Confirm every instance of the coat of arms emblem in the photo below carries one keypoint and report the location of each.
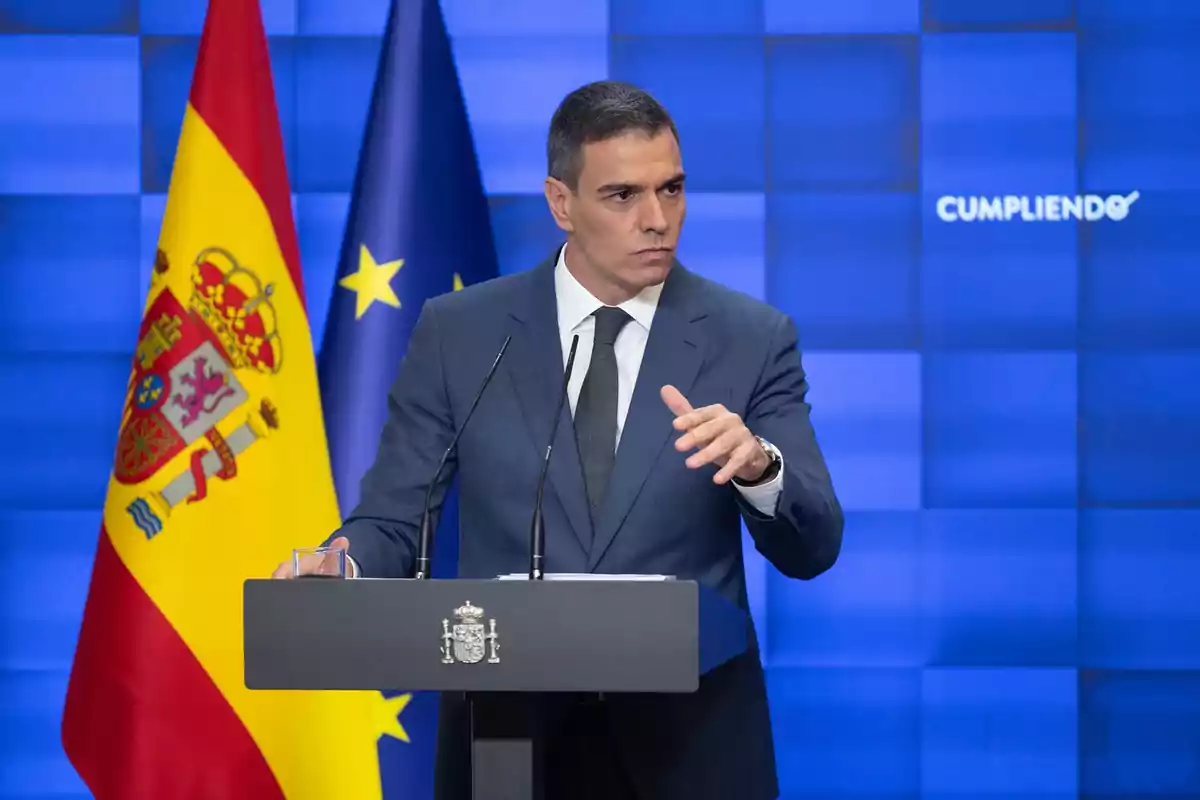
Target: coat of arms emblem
(465, 641)
(186, 381)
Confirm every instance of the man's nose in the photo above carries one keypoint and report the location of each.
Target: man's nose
(653, 218)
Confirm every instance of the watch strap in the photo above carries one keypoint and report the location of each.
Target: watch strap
(772, 470)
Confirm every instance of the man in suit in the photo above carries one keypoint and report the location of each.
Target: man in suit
(687, 415)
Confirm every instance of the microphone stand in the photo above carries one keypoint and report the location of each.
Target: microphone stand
(425, 537)
(537, 534)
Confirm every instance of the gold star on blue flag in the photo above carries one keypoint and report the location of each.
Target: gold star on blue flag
(372, 282)
(418, 227)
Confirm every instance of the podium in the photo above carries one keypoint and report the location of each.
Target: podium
(501, 642)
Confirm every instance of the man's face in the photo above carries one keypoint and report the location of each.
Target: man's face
(628, 209)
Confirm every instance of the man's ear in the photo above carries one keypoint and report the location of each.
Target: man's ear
(558, 197)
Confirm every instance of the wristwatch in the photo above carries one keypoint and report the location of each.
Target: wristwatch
(776, 461)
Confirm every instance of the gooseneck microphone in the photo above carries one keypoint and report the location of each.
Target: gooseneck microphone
(426, 538)
(537, 537)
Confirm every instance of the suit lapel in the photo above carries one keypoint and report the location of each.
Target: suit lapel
(536, 370)
(674, 353)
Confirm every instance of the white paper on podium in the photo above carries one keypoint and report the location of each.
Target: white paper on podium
(584, 576)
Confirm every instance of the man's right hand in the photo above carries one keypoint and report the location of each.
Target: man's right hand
(311, 564)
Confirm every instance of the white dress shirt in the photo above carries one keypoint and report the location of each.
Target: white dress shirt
(575, 307)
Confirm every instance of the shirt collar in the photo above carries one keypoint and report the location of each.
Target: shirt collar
(575, 303)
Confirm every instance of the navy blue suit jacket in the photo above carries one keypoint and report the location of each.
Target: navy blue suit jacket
(713, 344)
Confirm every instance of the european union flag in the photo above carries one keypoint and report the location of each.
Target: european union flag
(418, 227)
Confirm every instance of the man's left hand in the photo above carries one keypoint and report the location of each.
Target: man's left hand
(724, 438)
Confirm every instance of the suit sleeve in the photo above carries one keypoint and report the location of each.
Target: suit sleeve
(804, 537)
(383, 528)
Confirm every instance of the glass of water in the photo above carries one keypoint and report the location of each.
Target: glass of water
(319, 562)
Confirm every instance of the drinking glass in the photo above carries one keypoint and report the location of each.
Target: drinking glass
(319, 562)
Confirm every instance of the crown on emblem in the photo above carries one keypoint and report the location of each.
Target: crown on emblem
(235, 304)
(468, 613)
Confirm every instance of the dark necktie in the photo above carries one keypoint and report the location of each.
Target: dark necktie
(596, 409)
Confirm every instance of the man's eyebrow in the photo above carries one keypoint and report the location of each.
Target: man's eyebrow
(612, 188)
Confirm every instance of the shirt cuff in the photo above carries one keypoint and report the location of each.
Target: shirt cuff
(764, 497)
(352, 570)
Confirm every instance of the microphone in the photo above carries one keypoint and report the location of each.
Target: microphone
(426, 538)
(537, 537)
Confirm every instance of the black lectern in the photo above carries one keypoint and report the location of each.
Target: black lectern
(502, 642)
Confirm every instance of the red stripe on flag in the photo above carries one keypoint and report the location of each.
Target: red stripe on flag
(232, 91)
(142, 717)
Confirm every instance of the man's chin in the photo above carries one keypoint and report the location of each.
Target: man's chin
(651, 274)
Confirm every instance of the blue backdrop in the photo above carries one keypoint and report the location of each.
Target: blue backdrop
(1010, 406)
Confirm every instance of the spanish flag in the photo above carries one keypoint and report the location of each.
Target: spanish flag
(220, 469)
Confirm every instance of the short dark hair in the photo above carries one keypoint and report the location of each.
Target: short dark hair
(596, 112)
